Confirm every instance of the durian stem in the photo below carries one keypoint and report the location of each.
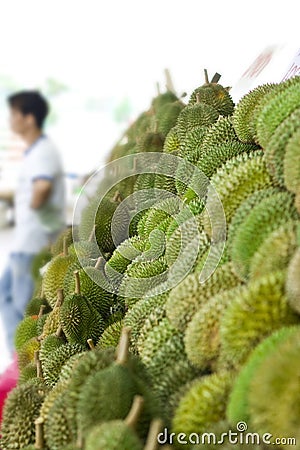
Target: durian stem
(80, 440)
(91, 236)
(77, 282)
(91, 344)
(154, 430)
(134, 165)
(135, 412)
(39, 370)
(42, 291)
(60, 298)
(41, 311)
(169, 82)
(157, 88)
(206, 76)
(123, 347)
(99, 262)
(216, 78)
(39, 433)
(59, 331)
(65, 247)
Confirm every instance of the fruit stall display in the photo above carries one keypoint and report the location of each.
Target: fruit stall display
(123, 345)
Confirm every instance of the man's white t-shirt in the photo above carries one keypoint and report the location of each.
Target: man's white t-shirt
(36, 228)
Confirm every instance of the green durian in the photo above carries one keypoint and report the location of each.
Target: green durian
(293, 281)
(163, 99)
(244, 114)
(219, 133)
(262, 307)
(25, 355)
(291, 167)
(172, 141)
(191, 294)
(29, 372)
(238, 404)
(34, 305)
(198, 114)
(25, 330)
(111, 335)
(167, 116)
(63, 241)
(213, 94)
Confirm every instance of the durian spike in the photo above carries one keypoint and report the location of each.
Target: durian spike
(39, 433)
(135, 411)
(65, 247)
(154, 430)
(169, 82)
(77, 282)
(38, 363)
(41, 311)
(216, 78)
(60, 298)
(206, 76)
(123, 347)
(92, 235)
(91, 344)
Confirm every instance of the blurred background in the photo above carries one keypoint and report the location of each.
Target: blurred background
(99, 63)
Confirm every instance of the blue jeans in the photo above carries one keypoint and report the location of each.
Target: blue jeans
(16, 289)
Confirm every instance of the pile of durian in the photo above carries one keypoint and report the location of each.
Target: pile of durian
(105, 369)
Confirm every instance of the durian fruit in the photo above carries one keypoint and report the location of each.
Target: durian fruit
(153, 141)
(167, 116)
(78, 318)
(220, 132)
(275, 252)
(28, 373)
(215, 95)
(52, 321)
(53, 278)
(202, 336)
(98, 402)
(191, 146)
(52, 365)
(39, 261)
(204, 404)
(191, 294)
(163, 99)
(265, 217)
(21, 409)
(244, 113)
(172, 141)
(232, 183)
(262, 307)
(143, 315)
(25, 330)
(276, 381)
(238, 404)
(64, 240)
(276, 148)
(293, 282)
(117, 434)
(275, 108)
(26, 353)
(198, 114)
(111, 335)
(34, 305)
(291, 168)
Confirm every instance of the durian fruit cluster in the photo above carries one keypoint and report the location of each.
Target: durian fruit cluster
(104, 368)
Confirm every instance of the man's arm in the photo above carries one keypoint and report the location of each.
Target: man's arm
(40, 193)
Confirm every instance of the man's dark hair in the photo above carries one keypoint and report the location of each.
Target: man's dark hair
(30, 102)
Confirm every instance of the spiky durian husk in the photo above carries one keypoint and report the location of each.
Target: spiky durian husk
(204, 404)
(140, 277)
(156, 337)
(25, 330)
(64, 238)
(190, 294)
(51, 324)
(146, 313)
(244, 113)
(276, 380)
(264, 218)
(276, 147)
(28, 373)
(26, 352)
(202, 336)
(167, 116)
(113, 435)
(67, 369)
(52, 365)
(84, 249)
(172, 141)
(151, 142)
(80, 321)
(275, 108)
(195, 115)
(275, 252)
(234, 182)
(291, 167)
(215, 95)
(293, 281)
(163, 99)
(262, 308)
(191, 145)
(238, 404)
(20, 411)
(111, 335)
(151, 221)
(34, 305)
(53, 279)
(49, 344)
(220, 132)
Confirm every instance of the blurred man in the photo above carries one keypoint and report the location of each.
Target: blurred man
(39, 206)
